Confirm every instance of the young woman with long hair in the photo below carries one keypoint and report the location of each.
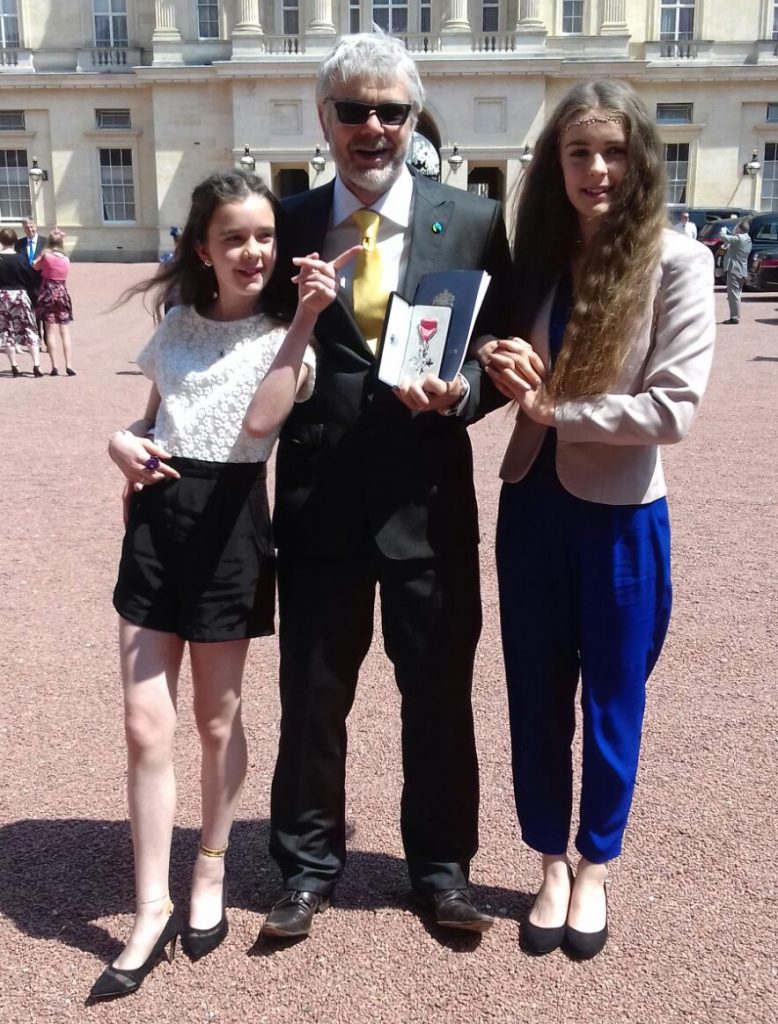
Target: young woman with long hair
(616, 326)
(197, 564)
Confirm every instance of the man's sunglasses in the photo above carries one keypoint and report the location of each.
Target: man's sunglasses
(353, 112)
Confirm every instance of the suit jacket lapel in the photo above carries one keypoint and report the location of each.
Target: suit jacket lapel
(429, 220)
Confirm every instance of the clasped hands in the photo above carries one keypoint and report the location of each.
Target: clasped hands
(517, 371)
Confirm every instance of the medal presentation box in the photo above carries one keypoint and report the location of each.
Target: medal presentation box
(431, 334)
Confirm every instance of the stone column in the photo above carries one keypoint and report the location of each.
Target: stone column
(455, 18)
(321, 23)
(529, 20)
(614, 18)
(530, 34)
(165, 22)
(247, 33)
(166, 42)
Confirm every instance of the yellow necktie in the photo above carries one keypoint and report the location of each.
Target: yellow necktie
(370, 296)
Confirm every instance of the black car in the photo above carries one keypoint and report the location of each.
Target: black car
(702, 215)
(710, 234)
(763, 271)
(763, 229)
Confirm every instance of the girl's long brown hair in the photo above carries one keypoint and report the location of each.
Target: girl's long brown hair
(618, 262)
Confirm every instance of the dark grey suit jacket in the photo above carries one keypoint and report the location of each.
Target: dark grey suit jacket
(354, 465)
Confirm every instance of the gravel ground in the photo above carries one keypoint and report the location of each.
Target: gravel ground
(693, 900)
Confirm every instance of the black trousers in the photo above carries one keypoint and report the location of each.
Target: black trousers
(431, 620)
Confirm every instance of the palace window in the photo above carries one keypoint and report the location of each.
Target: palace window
(775, 21)
(391, 15)
(674, 113)
(490, 16)
(572, 16)
(9, 23)
(677, 21)
(208, 19)
(111, 23)
(117, 187)
(425, 16)
(676, 155)
(110, 120)
(354, 20)
(11, 120)
(772, 113)
(770, 177)
(14, 185)
(290, 17)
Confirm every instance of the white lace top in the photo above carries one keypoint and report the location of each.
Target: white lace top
(206, 372)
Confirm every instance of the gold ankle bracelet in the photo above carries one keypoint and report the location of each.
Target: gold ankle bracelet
(208, 852)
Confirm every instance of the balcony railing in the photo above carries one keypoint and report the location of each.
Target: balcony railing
(678, 49)
(493, 42)
(108, 58)
(421, 42)
(282, 44)
(15, 59)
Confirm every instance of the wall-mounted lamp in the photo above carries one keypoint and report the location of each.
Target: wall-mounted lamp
(318, 163)
(247, 162)
(526, 157)
(455, 161)
(37, 174)
(753, 167)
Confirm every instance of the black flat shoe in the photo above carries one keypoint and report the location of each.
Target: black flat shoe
(70, 372)
(539, 941)
(585, 945)
(54, 372)
(37, 372)
(292, 916)
(115, 982)
(453, 908)
(199, 942)
(16, 371)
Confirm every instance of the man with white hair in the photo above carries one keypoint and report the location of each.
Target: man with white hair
(374, 490)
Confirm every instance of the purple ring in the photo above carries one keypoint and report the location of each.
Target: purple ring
(152, 463)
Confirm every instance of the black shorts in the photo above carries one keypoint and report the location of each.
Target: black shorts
(198, 557)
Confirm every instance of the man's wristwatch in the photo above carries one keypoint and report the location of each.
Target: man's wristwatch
(455, 407)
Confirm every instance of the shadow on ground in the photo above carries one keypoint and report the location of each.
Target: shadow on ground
(59, 877)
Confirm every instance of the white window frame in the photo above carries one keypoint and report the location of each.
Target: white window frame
(425, 5)
(769, 165)
(6, 217)
(100, 183)
(390, 6)
(490, 5)
(293, 6)
(6, 16)
(115, 41)
(677, 6)
(667, 106)
(199, 4)
(687, 180)
(563, 14)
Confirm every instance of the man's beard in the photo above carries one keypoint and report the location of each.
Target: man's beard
(379, 179)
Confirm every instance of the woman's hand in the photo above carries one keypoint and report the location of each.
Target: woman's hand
(317, 280)
(514, 367)
(140, 459)
(539, 406)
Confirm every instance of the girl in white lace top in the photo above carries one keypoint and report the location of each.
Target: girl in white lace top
(198, 559)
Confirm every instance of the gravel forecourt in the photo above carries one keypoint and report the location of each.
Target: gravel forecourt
(693, 911)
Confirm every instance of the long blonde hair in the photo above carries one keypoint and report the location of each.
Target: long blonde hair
(618, 261)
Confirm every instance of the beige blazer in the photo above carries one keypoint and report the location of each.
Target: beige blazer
(608, 447)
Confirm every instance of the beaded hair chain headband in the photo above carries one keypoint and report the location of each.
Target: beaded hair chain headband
(595, 119)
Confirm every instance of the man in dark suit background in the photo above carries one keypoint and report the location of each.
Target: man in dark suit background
(374, 489)
(29, 248)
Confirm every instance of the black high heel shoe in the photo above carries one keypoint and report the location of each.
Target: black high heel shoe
(538, 940)
(37, 372)
(115, 981)
(585, 945)
(16, 371)
(199, 942)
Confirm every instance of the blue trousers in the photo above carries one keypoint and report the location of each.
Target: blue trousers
(584, 589)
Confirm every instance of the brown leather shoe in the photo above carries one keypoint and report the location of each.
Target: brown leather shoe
(453, 908)
(292, 916)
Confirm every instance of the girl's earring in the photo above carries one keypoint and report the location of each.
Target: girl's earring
(207, 263)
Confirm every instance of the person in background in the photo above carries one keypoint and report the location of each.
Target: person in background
(29, 248)
(685, 226)
(618, 317)
(18, 330)
(739, 245)
(55, 307)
